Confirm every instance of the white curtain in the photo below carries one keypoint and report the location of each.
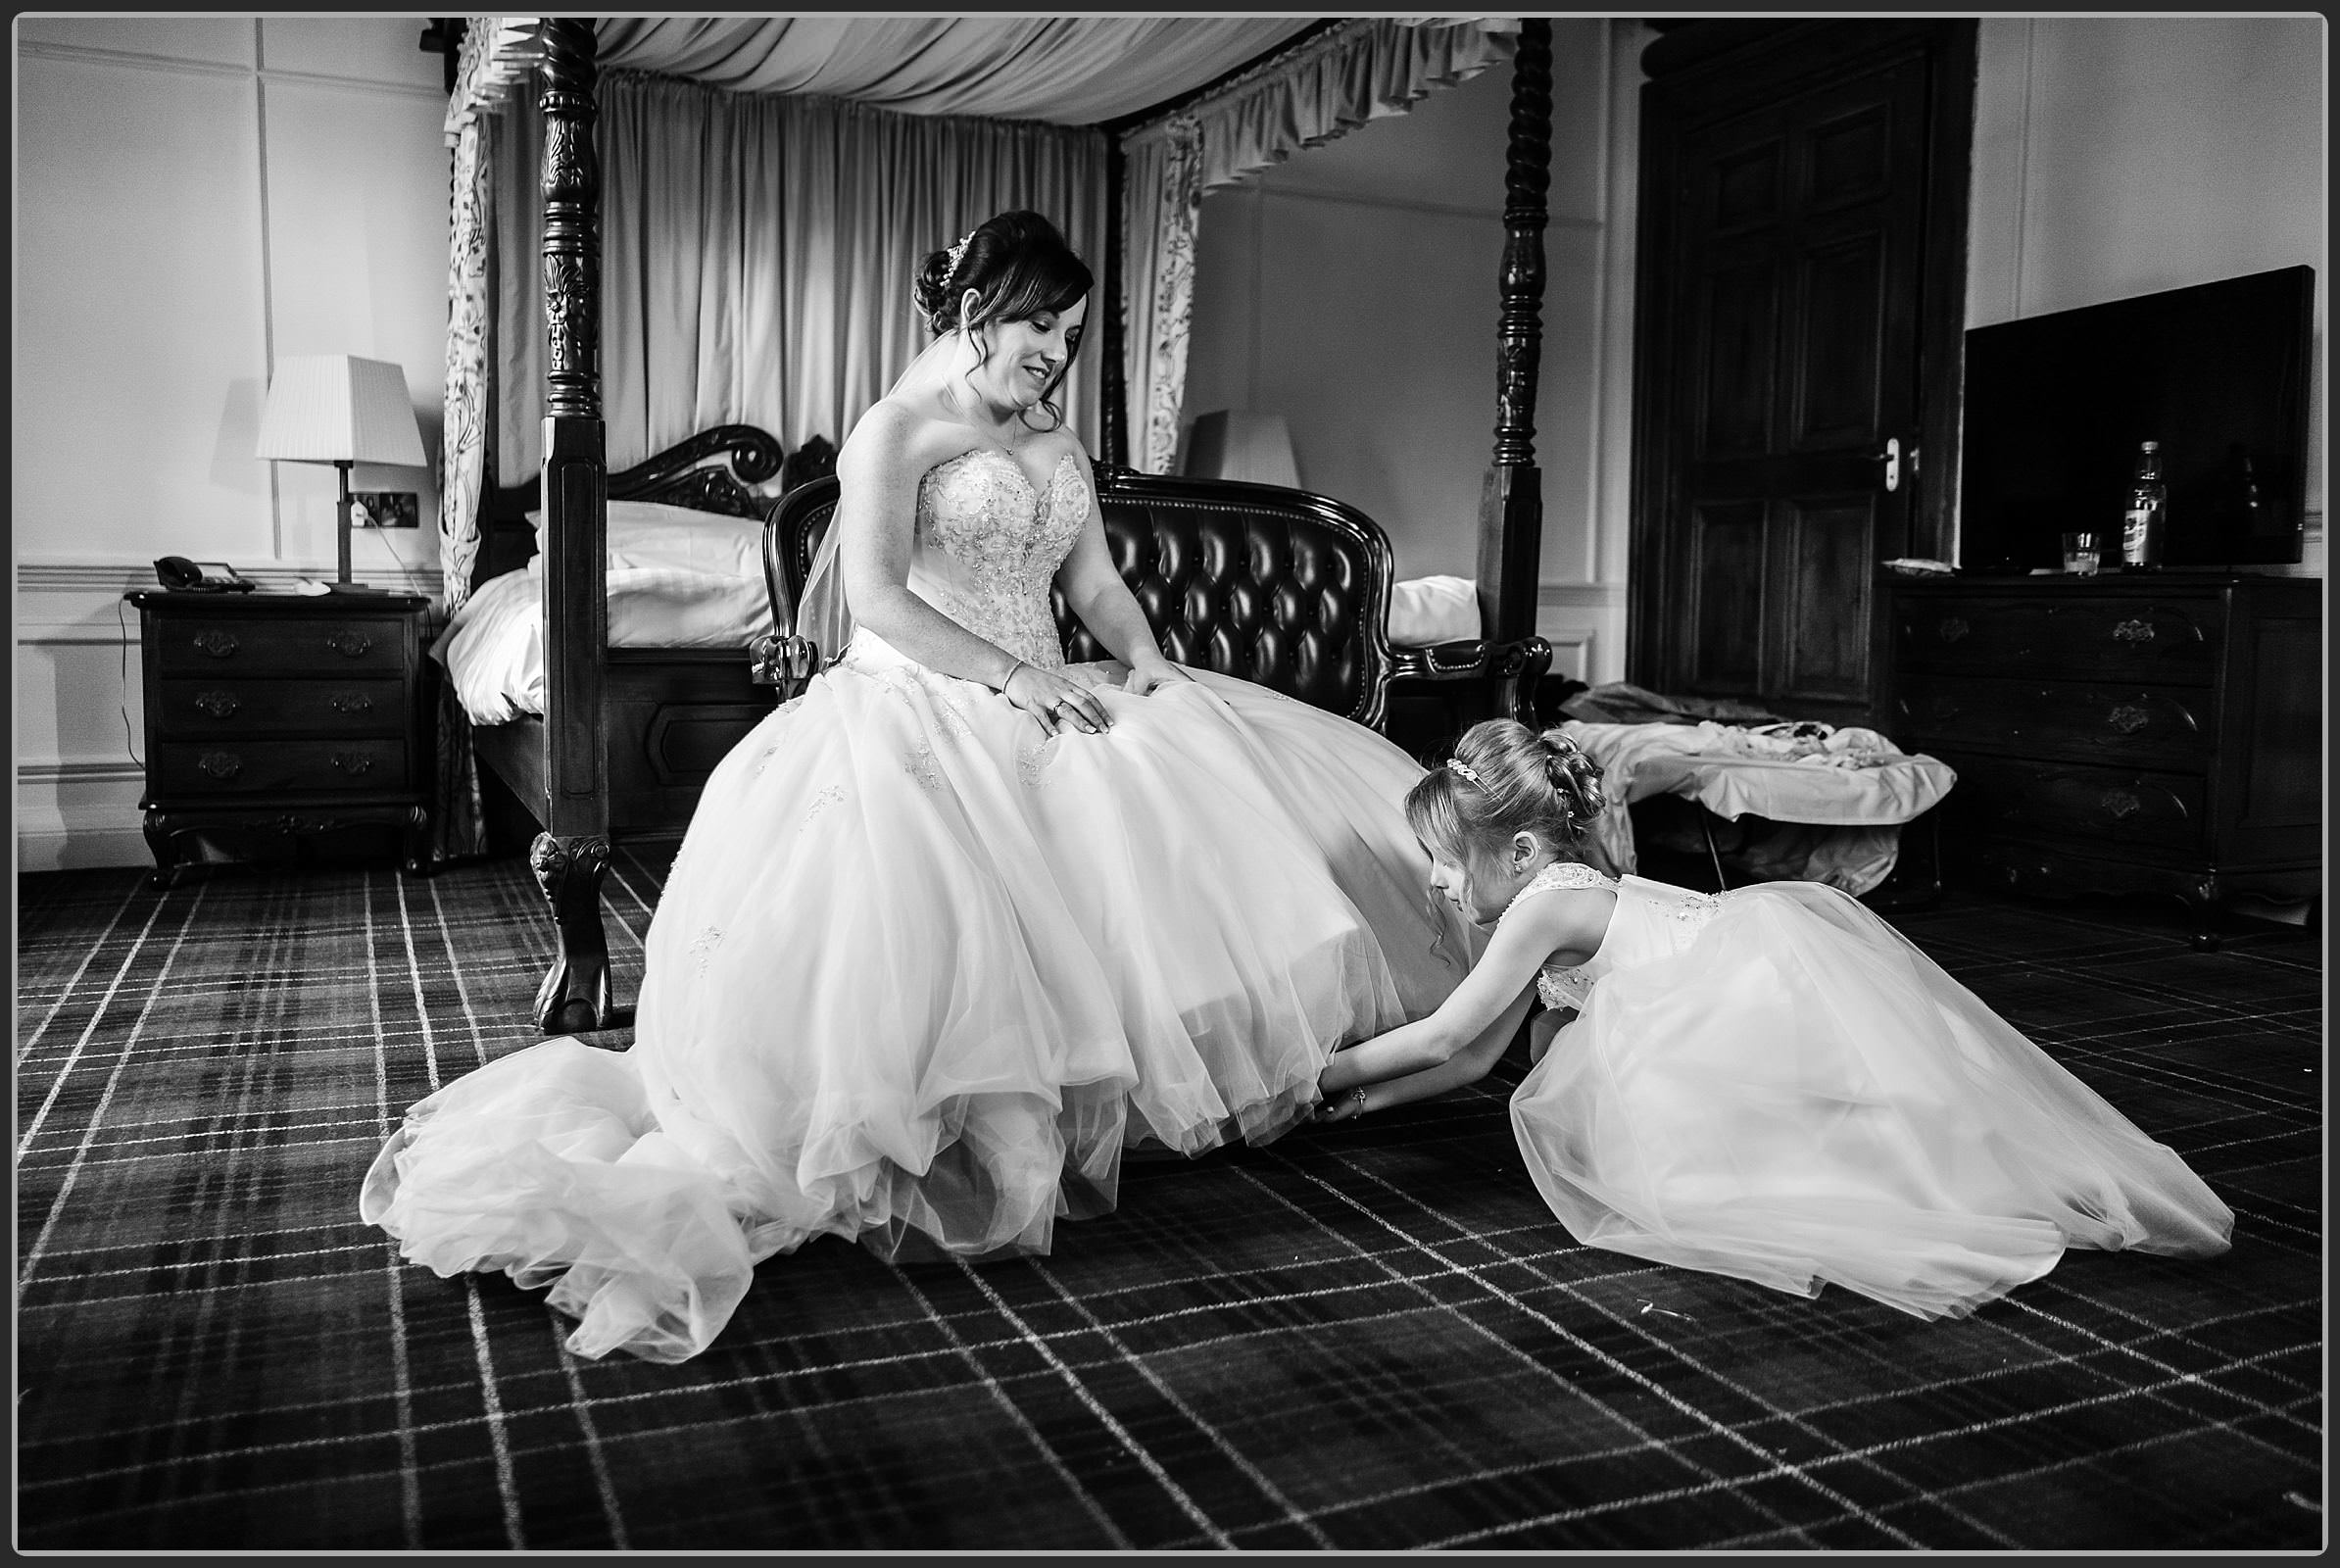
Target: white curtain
(758, 255)
(1318, 91)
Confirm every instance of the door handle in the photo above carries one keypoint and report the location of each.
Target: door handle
(1890, 455)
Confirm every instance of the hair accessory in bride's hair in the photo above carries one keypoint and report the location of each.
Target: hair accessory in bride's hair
(1463, 771)
(950, 260)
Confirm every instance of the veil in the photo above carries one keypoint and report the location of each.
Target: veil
(823, 617)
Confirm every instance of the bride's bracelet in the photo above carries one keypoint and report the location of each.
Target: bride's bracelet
(1010, 675)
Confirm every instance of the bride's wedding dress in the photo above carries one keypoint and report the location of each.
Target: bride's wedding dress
(921, 974)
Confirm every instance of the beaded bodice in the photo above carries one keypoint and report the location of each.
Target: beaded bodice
(988, 546)
(1653, 920)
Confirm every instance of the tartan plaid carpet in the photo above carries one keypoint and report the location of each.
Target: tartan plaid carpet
(1363, 1337)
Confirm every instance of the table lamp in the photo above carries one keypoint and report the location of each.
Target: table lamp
(338, 409)
(1238, 443)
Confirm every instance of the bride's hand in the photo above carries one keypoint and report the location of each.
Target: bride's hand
(1152, 676)
(1055, 702)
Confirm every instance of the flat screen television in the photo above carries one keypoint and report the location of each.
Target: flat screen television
(2056, 405)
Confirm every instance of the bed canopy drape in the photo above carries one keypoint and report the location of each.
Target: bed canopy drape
(792, 170)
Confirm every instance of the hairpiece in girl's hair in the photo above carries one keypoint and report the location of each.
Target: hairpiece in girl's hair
(951, 261)
(1463, 771)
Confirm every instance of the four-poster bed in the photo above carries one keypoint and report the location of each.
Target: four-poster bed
(567, 767)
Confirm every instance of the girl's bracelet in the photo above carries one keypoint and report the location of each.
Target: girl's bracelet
(1359, 1092)
(1010, 675)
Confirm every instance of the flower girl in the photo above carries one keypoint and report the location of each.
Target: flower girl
(1769, 1083)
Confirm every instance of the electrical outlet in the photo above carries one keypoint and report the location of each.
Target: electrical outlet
(384, 509)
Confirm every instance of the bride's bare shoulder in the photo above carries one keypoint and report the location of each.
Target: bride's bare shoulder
(896, 435)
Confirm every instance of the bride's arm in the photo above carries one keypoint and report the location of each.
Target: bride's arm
(1093, 586)
(877, 498)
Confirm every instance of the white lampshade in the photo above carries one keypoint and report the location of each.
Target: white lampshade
(1237, 444)
(335, 408)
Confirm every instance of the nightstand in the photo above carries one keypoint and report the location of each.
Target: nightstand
(272, 716)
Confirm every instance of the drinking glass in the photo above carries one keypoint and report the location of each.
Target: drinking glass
(2081, 552)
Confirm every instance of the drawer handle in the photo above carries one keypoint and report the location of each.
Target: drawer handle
(352, 763)
(1953, 628)
(350, 644)
(217, 704)
(220, 764)
(2120, 805)
(2133, 631)
(353, 702)
(216, 643)
(2128, 718)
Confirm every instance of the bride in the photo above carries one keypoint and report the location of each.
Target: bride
(955, 928)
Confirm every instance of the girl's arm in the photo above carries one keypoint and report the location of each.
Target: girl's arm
(1467, 1065)
(1567, 925)
(1093, 586)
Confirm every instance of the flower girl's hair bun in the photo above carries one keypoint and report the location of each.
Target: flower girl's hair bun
(1574, 776)
(1504, 778)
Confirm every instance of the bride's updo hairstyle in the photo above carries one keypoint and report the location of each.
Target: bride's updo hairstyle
(1505, 779)
(1018, 266)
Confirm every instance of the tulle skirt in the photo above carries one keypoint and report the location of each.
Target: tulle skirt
(920, 975)
(1799, 1095)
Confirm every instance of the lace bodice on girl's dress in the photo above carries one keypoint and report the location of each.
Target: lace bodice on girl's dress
(1652, 919)
(988, 546)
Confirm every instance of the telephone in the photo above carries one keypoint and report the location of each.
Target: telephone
(180, 574)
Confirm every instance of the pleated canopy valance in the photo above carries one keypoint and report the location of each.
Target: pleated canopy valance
(1064, 71)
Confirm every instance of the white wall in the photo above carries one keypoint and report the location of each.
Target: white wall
(197, 196)
(2124, 155)
(1353, 289)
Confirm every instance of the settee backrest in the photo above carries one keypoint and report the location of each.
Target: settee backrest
(1278, 586)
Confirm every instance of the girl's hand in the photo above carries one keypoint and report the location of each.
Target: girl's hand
(1057, 704)
(1152, 674)
(1342, 1104)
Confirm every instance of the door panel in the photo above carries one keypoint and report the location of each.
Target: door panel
(1726, 587)
(1827, 589)
(1840, 310)
(1741, 322)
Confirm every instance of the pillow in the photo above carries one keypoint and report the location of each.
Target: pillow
(653, 533)
(1425, 612)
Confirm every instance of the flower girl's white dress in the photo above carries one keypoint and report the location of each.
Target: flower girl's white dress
(920, 973)
(1773, 1083)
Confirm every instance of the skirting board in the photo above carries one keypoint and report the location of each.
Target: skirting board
(72, 816)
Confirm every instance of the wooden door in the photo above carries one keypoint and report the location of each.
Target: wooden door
(1801, 273)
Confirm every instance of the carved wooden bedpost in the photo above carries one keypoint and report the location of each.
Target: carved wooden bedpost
(571, 854)
(1511, 504)
(1113, 400)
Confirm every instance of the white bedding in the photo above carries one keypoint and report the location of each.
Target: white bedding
(493, 645)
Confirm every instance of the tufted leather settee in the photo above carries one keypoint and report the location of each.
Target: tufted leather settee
(1277, 586)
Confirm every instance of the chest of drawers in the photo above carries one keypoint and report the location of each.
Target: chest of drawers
(274, 716)
(2156, 733)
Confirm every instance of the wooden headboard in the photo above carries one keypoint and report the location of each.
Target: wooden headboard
(716, 470)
